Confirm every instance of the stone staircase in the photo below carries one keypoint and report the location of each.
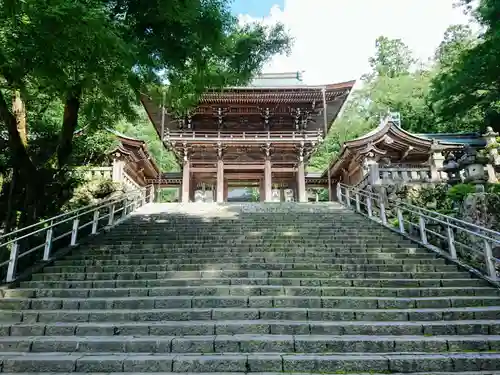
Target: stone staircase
(252, 288)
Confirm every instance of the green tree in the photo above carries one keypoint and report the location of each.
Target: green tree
(456, 40)
(396, 83)
(392, 58)
(469, 88)
(96, 56)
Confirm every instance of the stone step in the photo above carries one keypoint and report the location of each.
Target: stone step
(275, 373)
(247, 290)
(255, 266)
(209, 257)
(345, 257)
(260, 327)
(241, 251)
(286, 234)
(218, 363)
(219, 344)
(215, 281)
(245, 273)
(289, 313)
(204, 301)
(302, 222)
(242, 244)
(237, 289)
(277, 233)
(245, 260)
(241, 247)
(174, 252)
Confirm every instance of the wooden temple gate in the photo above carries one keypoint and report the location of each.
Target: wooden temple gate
(260, 136)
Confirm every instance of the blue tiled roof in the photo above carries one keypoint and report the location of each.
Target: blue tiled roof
(278, 79)
(472, 139)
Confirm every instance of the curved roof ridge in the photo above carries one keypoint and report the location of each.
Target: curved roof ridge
(121, 135)
(372, 132)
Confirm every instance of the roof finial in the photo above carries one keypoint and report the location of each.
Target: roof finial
(394, 117)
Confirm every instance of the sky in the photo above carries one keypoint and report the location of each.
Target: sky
(256, 8)
(335, 38)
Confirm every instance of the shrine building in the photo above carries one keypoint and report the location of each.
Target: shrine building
(261, 135)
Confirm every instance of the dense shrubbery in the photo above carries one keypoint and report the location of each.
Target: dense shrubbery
(91, 192)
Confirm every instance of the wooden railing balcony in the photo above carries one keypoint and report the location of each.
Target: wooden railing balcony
(250, 136)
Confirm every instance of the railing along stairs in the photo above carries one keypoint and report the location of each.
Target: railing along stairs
(463, 242)
(25, 244)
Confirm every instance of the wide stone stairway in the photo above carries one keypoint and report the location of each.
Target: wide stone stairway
(274, 288)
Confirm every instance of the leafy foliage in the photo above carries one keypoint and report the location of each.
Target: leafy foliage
(392, 58)
(431, 97)
(469, 86)
(82, 64)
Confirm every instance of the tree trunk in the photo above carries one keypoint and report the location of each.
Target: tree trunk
(19, 152)
(10, 223)
(19, 112)
(70, 123)
(25, 171)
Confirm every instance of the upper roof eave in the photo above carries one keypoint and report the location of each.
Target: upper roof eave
(332, 86)
(386, 126)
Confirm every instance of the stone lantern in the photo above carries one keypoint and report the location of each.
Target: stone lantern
(452, 169)
(473, 165)
(490, 138)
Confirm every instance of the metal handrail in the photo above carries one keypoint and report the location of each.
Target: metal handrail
(459, 240)
(21, 243)
(75, 211)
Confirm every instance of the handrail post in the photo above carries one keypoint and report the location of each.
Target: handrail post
(358, 206)
(347, 197)
(11, 270)
(451, 242)
(111, 218)
(48, 243)
(423, 234)
(383, 215)
(490, 261)
(95, 221)
(401, 220)
(74, 231)
(339, 193)
(369, 206)
(124, 211)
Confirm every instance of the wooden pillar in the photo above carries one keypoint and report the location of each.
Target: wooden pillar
(220, 181)
(292, 185)
(150, 194)
(282, 194)
(335, 198)
(330, 190)
(118, 168)
(179, 194)
(301, 182)
(192, 190)
(186, 177)
(226, 191)
(268, 184)
(262, 192)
